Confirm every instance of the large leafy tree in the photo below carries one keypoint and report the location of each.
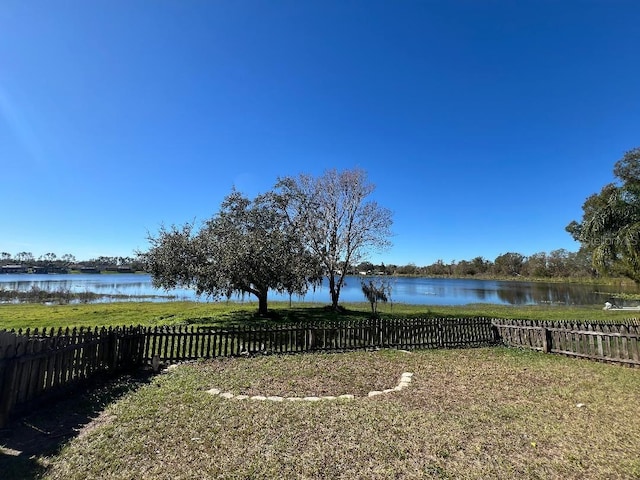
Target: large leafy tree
(337, 221)
(610, 226)
(248, 247)
(509, 263)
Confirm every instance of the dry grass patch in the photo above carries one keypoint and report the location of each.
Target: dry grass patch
(304, 375)
(480, 413)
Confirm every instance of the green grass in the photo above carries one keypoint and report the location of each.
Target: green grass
(473, 414)
(223, 313)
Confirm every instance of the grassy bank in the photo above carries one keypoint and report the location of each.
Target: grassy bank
(475, 414)
(180, 313)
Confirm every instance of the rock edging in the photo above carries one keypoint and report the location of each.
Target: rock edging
(405, 381)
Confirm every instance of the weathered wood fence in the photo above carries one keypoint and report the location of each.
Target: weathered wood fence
(38, 363)
(35, 363)
(617, 343)
(171, 344)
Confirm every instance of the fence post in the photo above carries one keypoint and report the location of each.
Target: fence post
(546, 340)
(600, 349)
(440, 333)
(497, 338)
(311, 338)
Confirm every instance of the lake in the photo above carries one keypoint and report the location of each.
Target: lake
(412, 290)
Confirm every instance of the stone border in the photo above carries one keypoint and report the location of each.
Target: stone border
(405, 381)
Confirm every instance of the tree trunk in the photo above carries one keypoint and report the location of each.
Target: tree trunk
(262, 304)
(335, 292)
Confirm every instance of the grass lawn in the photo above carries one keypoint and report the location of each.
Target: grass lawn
(223, 313)
(474, 413)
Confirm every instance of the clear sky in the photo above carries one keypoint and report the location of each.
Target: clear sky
(484, 124)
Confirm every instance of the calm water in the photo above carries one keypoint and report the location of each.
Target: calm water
(413, 290)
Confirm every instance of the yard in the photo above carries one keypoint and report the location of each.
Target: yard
(473, 413)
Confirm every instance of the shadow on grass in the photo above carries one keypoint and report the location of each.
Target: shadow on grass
(282, 316)
(27, 441)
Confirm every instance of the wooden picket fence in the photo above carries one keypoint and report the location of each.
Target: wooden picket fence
(37, 363)
(616, 343)
(179, 343)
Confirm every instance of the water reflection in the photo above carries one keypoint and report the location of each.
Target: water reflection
(413, 290)
(515, 296)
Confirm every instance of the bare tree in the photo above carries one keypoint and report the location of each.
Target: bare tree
(68, 259)
(49, 257)
(24, 257)
(338, 224)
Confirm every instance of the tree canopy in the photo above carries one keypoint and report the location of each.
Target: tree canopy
(248, 247)
(338, 223)
(610, 226)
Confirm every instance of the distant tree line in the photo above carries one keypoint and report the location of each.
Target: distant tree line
(556, 264)
(52, 263)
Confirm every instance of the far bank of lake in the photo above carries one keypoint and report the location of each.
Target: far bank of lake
(410, 290)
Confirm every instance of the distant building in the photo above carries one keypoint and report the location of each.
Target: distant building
(89, 270)
(13, 269)
(56, 269)
(120, 269)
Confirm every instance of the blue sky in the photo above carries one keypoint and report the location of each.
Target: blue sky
(483, 124)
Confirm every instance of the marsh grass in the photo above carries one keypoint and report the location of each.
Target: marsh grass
(476, 414)
(39, 295)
